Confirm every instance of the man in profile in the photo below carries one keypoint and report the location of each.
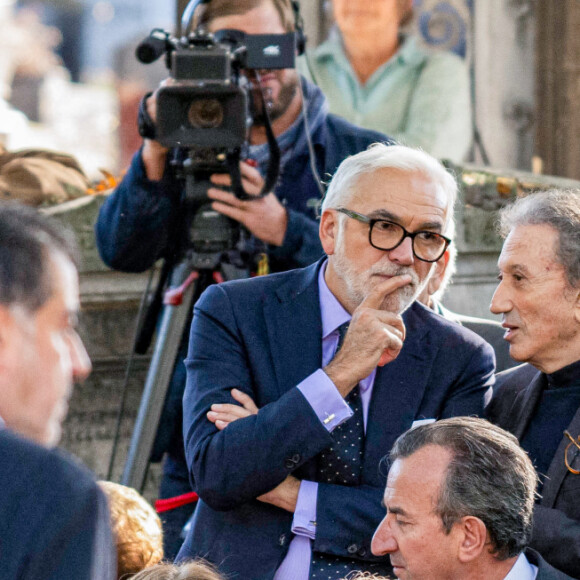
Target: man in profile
(54, 521)
(538, 296)
(490, 330)
(459, 500)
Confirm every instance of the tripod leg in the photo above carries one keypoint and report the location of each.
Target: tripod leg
(171, 329)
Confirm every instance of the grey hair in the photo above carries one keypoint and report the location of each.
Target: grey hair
(489, 477)
(559, 209)
(26, 240)
(396, 157)
(451, 267)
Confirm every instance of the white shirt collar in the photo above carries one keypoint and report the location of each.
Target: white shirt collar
(522, 570)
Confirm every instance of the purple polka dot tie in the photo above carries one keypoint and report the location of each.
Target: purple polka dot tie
(341, 464)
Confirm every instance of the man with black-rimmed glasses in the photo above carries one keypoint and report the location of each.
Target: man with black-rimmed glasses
(284, 431)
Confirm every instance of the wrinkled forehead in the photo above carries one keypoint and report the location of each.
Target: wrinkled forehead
(396, 191)
(251, 16)
(414, 482)
(530, 245)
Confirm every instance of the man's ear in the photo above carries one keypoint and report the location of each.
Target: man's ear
(576, 297)
(473, 538)
(6, 326)
(438, 274)
(328, 230)
(5, 321)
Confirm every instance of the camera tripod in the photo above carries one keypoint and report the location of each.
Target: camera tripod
(185, 286)
(200, 238)
(186, 283)
(206, 251)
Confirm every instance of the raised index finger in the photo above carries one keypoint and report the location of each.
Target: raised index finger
(375, 297)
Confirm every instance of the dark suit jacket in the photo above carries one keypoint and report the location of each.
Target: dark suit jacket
(557, 516)
(264, 336)
(54, 520)
(490, 330)
(545, 571)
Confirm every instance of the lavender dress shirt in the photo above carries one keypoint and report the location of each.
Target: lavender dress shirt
(522, 570)
(331, 410)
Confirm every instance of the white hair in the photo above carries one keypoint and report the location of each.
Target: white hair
(451, 266)
(397, 157)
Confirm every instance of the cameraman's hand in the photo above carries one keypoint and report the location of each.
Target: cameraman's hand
(265, 217)
(153, 153)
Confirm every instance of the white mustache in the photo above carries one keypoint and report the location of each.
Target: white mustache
(384, 270)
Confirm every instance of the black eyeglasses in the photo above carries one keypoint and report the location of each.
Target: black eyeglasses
(386, 235)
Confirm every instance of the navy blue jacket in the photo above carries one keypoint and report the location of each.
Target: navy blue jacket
(54, 520)
(264, 336)
(545, 571)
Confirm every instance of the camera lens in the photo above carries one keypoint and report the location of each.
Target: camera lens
(206, 114)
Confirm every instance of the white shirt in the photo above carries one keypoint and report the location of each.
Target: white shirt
(522, 570)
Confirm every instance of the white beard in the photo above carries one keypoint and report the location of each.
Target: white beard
(358, 285)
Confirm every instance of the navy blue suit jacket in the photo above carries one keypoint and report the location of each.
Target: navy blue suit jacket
(545, 571)
(264, 336)
(54, 520)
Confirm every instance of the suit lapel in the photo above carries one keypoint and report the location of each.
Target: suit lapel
(558, 470)
(397, 394)
(524, 406)
(295, 329)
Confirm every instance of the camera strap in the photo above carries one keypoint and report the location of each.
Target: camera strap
(145, 124)
(233, 160)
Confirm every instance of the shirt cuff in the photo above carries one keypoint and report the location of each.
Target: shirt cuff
(325, 400)
(304, 521)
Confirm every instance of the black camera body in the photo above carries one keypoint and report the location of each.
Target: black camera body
(207, 103)
(204, 114)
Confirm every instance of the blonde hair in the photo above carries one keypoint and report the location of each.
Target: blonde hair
(196, 570)
(136, 528)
